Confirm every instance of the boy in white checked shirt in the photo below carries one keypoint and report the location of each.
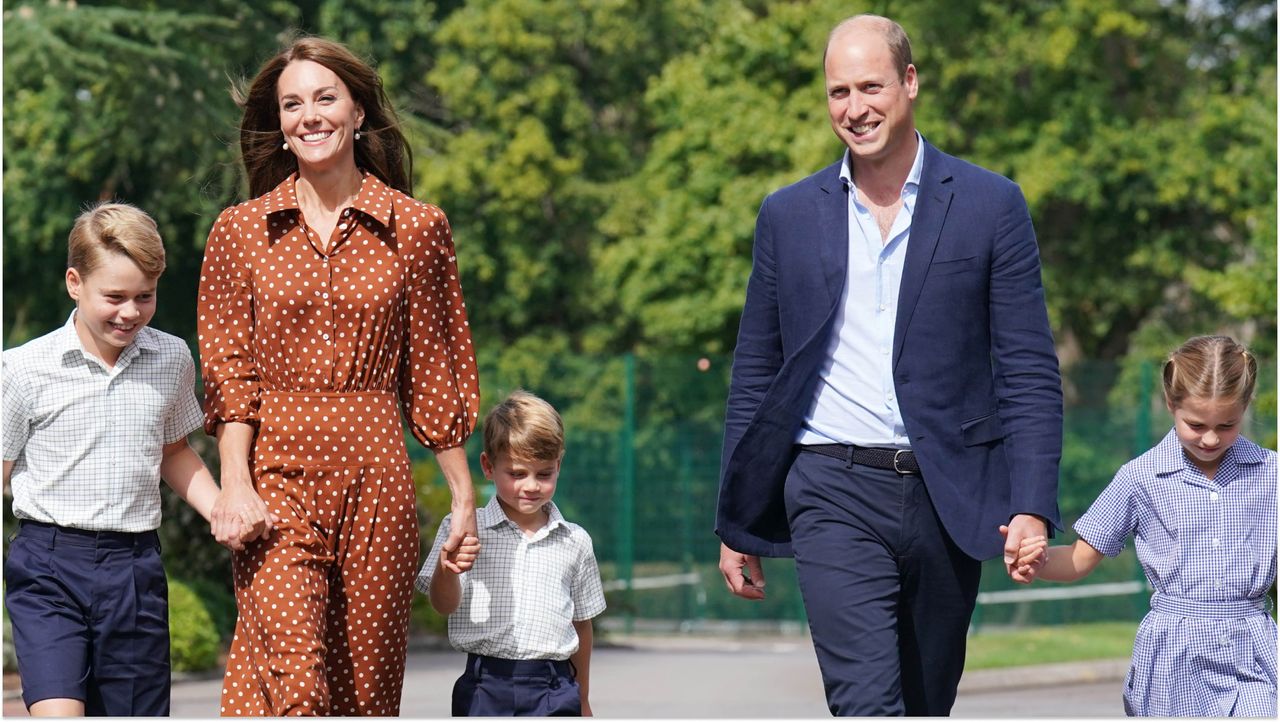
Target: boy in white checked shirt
(95, 414)
(522, 608)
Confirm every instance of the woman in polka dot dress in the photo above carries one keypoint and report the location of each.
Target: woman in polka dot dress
(328, 304)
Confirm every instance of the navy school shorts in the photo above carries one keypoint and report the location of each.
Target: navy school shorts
(494, 687)
(90, 614)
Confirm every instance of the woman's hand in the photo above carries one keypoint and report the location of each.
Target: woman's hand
(462, 537)
(239, 515)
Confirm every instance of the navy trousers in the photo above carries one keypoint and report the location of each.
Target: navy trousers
(90, 614)
(888, 594)
(494, 687)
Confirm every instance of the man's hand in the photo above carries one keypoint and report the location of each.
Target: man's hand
(1020, 527)
(732, 563)
(462, 524)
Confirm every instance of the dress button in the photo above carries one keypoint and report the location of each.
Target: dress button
(1213, 496)
(1224, 640)
(1216, 542)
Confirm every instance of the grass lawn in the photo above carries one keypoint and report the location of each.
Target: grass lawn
(992, 648)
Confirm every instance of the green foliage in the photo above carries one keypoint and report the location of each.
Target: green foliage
(193, 640)
(99, 103)
(218, 602)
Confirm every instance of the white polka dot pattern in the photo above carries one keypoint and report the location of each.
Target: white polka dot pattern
(382, 310)
(323, 352)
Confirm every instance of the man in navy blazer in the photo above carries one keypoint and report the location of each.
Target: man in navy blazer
(895, 397)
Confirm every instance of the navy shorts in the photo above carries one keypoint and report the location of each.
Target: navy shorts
(494, 687)
(90, 614)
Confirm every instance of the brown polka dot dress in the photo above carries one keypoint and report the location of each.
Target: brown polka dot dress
(321, 352)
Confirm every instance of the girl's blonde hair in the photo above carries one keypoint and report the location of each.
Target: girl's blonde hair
(115, 228)
(1210, 367)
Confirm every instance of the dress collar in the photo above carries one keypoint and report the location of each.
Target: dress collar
(373, 200)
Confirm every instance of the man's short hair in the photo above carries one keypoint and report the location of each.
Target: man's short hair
(524, 427)
(115, 228)
(894, 36)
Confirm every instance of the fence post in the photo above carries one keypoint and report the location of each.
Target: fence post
(627, 489)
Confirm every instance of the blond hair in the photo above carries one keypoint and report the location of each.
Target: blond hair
(115, 228)
(524, 427)
(1210, 367)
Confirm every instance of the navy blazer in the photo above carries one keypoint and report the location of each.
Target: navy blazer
(973, 358)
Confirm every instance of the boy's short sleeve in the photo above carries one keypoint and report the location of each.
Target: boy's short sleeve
(1112, 517)
(423, 582)
(587, 591)
(184, 414)
(15, 409)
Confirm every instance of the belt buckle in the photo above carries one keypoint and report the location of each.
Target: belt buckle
(896, 456)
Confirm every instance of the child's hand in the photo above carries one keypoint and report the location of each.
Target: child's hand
(1031, 556)
(459, 561)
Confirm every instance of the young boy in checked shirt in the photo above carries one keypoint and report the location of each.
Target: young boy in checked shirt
(95, 414)
(522, 608)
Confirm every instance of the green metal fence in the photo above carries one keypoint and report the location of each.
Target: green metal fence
(643, 456)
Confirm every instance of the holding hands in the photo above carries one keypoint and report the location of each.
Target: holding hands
(240, 516)
(462, 558)
(1031, 556)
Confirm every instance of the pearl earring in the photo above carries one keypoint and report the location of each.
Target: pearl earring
(285, 146)
(357, 135)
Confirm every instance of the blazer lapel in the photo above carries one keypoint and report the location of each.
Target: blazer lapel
(832, 200)
(932, 203)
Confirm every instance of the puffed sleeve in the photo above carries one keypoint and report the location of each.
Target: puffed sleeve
(439, 384)
(226, 321)
(1113, 516)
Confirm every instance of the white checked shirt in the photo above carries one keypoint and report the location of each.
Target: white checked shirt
(522, 596)
(86, 440)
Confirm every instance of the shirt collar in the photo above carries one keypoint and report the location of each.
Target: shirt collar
(67, 341)
(913, 176)
(1170, 457)
(492, 515)
(284, 197)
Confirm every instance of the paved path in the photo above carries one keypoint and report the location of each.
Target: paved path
(677, 677)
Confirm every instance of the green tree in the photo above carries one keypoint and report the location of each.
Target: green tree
(110, 102)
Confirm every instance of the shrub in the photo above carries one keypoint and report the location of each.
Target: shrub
(193, 639)
(220, 603)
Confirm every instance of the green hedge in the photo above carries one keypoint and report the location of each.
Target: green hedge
(193, 638)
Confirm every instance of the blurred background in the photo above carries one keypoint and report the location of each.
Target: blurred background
(601, 163)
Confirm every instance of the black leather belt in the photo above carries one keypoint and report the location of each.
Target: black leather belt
(902, 461)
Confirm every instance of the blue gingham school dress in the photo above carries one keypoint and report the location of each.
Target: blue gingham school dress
(1207, 648)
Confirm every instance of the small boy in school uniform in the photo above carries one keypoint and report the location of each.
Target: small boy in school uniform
(94, 415)
(522, 609)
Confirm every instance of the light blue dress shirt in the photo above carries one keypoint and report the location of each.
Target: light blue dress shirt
(855, 401)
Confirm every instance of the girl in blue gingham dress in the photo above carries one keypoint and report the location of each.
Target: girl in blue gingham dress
(1201, 506)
